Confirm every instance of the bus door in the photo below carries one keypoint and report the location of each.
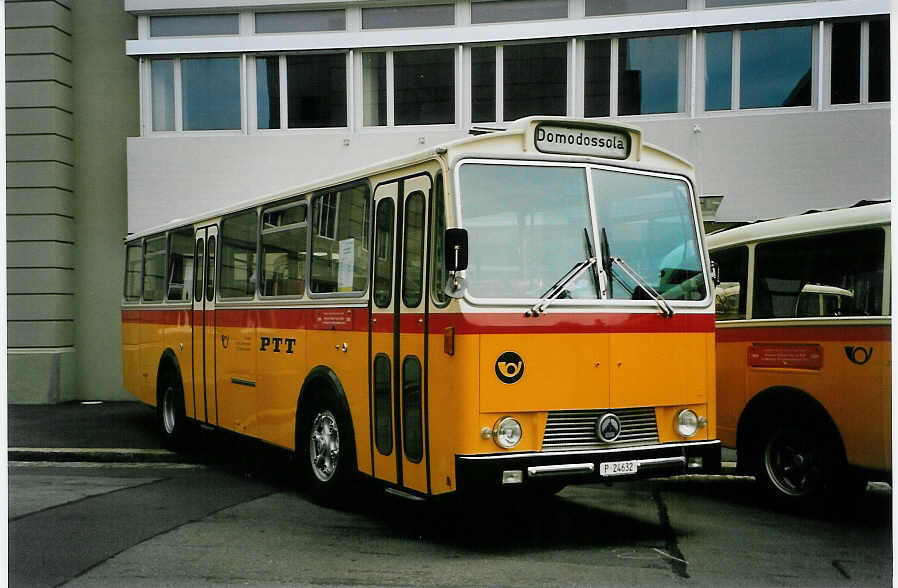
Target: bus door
(205, 403)
(398, 333)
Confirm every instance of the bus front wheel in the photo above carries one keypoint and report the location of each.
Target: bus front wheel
(794, 465)
(170, 410)
(325, 451)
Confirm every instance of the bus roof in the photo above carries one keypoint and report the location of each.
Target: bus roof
(517, 137)
(871, 214)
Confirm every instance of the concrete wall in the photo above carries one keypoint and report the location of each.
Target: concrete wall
(766, 164)
(70, 94)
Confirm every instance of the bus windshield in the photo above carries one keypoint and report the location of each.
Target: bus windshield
(528, 225)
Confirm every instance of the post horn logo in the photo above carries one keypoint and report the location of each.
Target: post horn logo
(225, 339)
(858, 355)
(509, 367)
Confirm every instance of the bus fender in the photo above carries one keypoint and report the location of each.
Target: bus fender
(322, 381)
(780, 404)
(168, 361)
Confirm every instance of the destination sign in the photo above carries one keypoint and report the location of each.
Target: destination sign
(582, 141)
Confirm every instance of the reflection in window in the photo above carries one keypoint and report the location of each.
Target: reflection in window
(238, 255)
(718, 70)
(483, 84)
(210, 269)
(649, 75)
(412, 429)
(374, 100)
(179, 277)
(597, 92)
(383, 247)
(603, 7)
(198, 271)
(424, 87)
(438, 230)
(879, 61)
(648, 222)
(394, 17)
(340, 241)
(487, 11)
(154, 269)
(304, 21)
(133, 262)
(534, 80)
(284, 250)
(413, 251)
(839, 274)
(729, 296)
(163, 89)
(775, 67)
(268, 93)
(316, 90)
(210, 93)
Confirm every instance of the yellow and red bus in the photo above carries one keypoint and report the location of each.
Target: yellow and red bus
(526, 308)
(804, 351)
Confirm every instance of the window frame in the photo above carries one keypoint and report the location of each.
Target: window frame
(863, 65)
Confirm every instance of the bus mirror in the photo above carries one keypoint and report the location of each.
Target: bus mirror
(715, 273)
(456, 252)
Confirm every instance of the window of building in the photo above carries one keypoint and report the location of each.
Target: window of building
(719, 70)
(303, 21)
(133, 267)
(194, 25)
(340, 222)
(374, 89)
(650, 75)
(239, 234)
(534, 80)
(396, 17)
(483, 84)
(820, 276)
(878, 61)
(606, 7)
(153, 268)
(597, 78)
(162, 72)
(284, 250)
(424, 87)
(775, 67)
(316, 90)
(854, 80)
(210, 93)
(268, 92)
(179, 277)
(489, 11)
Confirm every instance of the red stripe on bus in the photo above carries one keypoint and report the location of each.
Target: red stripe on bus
(177, 318)
(805, 333)
(516, 323)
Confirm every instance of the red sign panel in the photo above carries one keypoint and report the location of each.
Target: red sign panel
(336, 319)
(785, 355)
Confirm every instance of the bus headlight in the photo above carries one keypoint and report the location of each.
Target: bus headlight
(687, 423)
(507, 432)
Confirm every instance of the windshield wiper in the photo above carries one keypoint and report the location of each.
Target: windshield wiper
(558, 287)
(666, 310)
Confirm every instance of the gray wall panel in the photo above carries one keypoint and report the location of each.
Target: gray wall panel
(40, 120)
(39, 40)
(39, 14)
(41, 148)
(23, 68)
(38, 174)
(40, 228)
(39, 201)
(39, 281)
(29, 334)
(41, 306)
(39, 254)
(39, 94)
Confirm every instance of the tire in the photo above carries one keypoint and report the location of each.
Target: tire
(795, 466)
(325, 449)
(170, 410)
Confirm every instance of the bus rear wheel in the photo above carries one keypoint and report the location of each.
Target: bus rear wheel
(170, 410)
(325, 451)
(794, 465)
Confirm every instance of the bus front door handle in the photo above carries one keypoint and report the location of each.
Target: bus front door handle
(344, 347)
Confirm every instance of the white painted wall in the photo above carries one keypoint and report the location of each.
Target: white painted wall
(765, 164)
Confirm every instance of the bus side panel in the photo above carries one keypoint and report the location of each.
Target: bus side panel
(338, 339)
(731, 391)
(282, 367)
(151, 338)
(237, 388)
(131, 378)
(453, 407)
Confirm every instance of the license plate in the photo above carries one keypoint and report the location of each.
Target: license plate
(619, 468)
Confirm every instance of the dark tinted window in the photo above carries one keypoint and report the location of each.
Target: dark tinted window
(210, 269)
(316, 90)
(718, 70)
(879, 61)
(483, 84)
(597, 97)
(649, 75)
(845, 82)
(413, 436)
(268, 93)
(133, 263)
(413, 251)
(838, 274)
(383, 411)
(776, 67)
(340, 241)
(179, 277)
(198, 272)
(383, 252)
(153, 268)
(534, 80)
(424, 84)
(438, 261)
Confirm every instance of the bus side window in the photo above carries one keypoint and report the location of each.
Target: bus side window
(180, 266)
(730, 293)
(133, 265)
(239, 234)
(438, 229)
(153, 268)
(339, 229)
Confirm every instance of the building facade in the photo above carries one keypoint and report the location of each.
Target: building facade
(782, 106)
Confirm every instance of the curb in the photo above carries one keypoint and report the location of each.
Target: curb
(101, 455)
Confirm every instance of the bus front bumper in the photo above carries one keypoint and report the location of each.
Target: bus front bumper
(583, 467)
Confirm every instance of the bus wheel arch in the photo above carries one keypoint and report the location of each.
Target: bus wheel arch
(324, 436)
(170, 413)
(790, 443)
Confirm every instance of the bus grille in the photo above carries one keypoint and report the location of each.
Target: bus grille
(568, 430)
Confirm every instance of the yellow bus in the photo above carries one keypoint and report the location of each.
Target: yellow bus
(524, 308)
(804, 351)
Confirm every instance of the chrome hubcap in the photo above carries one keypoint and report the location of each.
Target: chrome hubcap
(324, 445)
(793, 464)
(168, 410)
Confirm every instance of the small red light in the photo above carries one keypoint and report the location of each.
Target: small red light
(449, 340)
